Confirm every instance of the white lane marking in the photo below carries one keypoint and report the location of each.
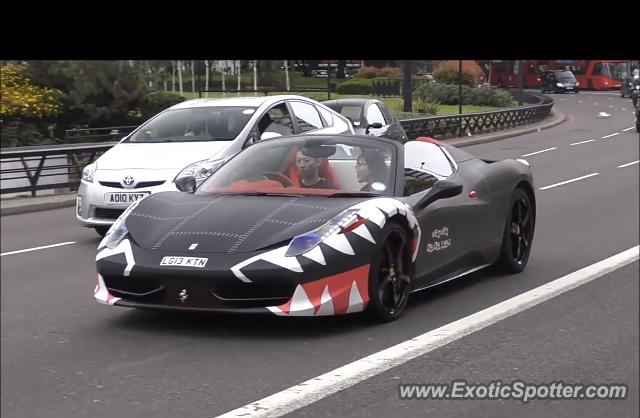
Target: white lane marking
(628, 129)
(568, 181)
(37, 248)
(609, 136)
(628, 164)
(583, 142)
(538, 152)
(320, 387)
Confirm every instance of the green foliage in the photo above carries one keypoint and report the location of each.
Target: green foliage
(158, 101)
(449, 95)
(450, 76)
(93, 93)
(356, 86)
(373, 72)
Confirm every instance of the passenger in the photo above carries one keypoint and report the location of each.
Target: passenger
(371, 168)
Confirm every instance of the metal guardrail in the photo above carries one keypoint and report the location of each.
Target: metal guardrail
(452, 126)
(63, 164)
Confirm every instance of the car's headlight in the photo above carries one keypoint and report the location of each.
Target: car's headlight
(89, 171)
(342, 223)
(577, 83)
(559, 84)
(201, 170)
(119, 230)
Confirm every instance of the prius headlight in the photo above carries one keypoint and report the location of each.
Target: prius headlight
(89, 171)
(344, 222)
(201, 170)
(119, 230)
(559, 84)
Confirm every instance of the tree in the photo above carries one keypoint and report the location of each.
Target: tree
(26, 110)
(92, 93)
(341, 66)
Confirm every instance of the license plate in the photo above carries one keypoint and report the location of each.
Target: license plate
(184, 261)
(123, 198)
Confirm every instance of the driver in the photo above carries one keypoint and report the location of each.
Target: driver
(307, 165)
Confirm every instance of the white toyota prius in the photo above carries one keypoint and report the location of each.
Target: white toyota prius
(192, 138)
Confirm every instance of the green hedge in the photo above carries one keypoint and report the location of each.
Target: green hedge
(448, 94)
(356, 86)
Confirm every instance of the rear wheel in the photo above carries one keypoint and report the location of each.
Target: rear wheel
(102, 230)
(518, 234)
(389, 278)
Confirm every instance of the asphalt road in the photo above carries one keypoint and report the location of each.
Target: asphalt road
(63, 355)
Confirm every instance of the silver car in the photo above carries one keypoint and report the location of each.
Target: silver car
(192, 138)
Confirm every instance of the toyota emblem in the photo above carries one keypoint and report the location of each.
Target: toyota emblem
(128, 182)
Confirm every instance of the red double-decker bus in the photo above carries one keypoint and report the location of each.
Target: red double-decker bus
(591, 74)
(505, 73)
(595, 74)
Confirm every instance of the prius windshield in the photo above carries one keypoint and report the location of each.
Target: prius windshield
(219, 123)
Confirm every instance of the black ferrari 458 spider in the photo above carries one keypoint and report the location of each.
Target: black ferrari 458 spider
(320, 225)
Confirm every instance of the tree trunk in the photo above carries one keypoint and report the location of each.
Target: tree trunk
(180, 77)
(341, 66)
(255, 77)
(206, 77)
(193, 77)
(173, 76)
(239, 77)
(224, 87)
(286, 73)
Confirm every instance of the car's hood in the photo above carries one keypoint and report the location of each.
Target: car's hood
(175, 221)
(171, 155)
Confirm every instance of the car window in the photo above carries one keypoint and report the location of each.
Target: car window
(353, 112)
(374, 115)
(387, 113)
(326, 115)
(306, 115)
(417, 181)
(276, 120)
(427, 157)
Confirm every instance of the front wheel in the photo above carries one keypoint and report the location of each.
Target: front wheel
(518, 234)
(102, 230)
(389, 277)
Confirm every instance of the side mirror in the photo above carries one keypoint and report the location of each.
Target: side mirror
(269, 135)
(376, 125)
(186, 184)
(442, 189)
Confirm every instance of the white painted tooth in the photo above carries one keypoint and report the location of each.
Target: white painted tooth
(316, 255)
(355, 300)
(364, 233)
(300, 303)
(340, 243)
(389, 206)
(101, 291)
(276, 310)
(373, 214)
(123, 247)
(277, 257)
(326, 303)
(274, 256)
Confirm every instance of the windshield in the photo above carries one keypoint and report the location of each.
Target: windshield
(613, 70)
(309, 165)
(565, 76)
(219, 123)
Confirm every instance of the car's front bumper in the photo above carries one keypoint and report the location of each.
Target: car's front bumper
(92, 209)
